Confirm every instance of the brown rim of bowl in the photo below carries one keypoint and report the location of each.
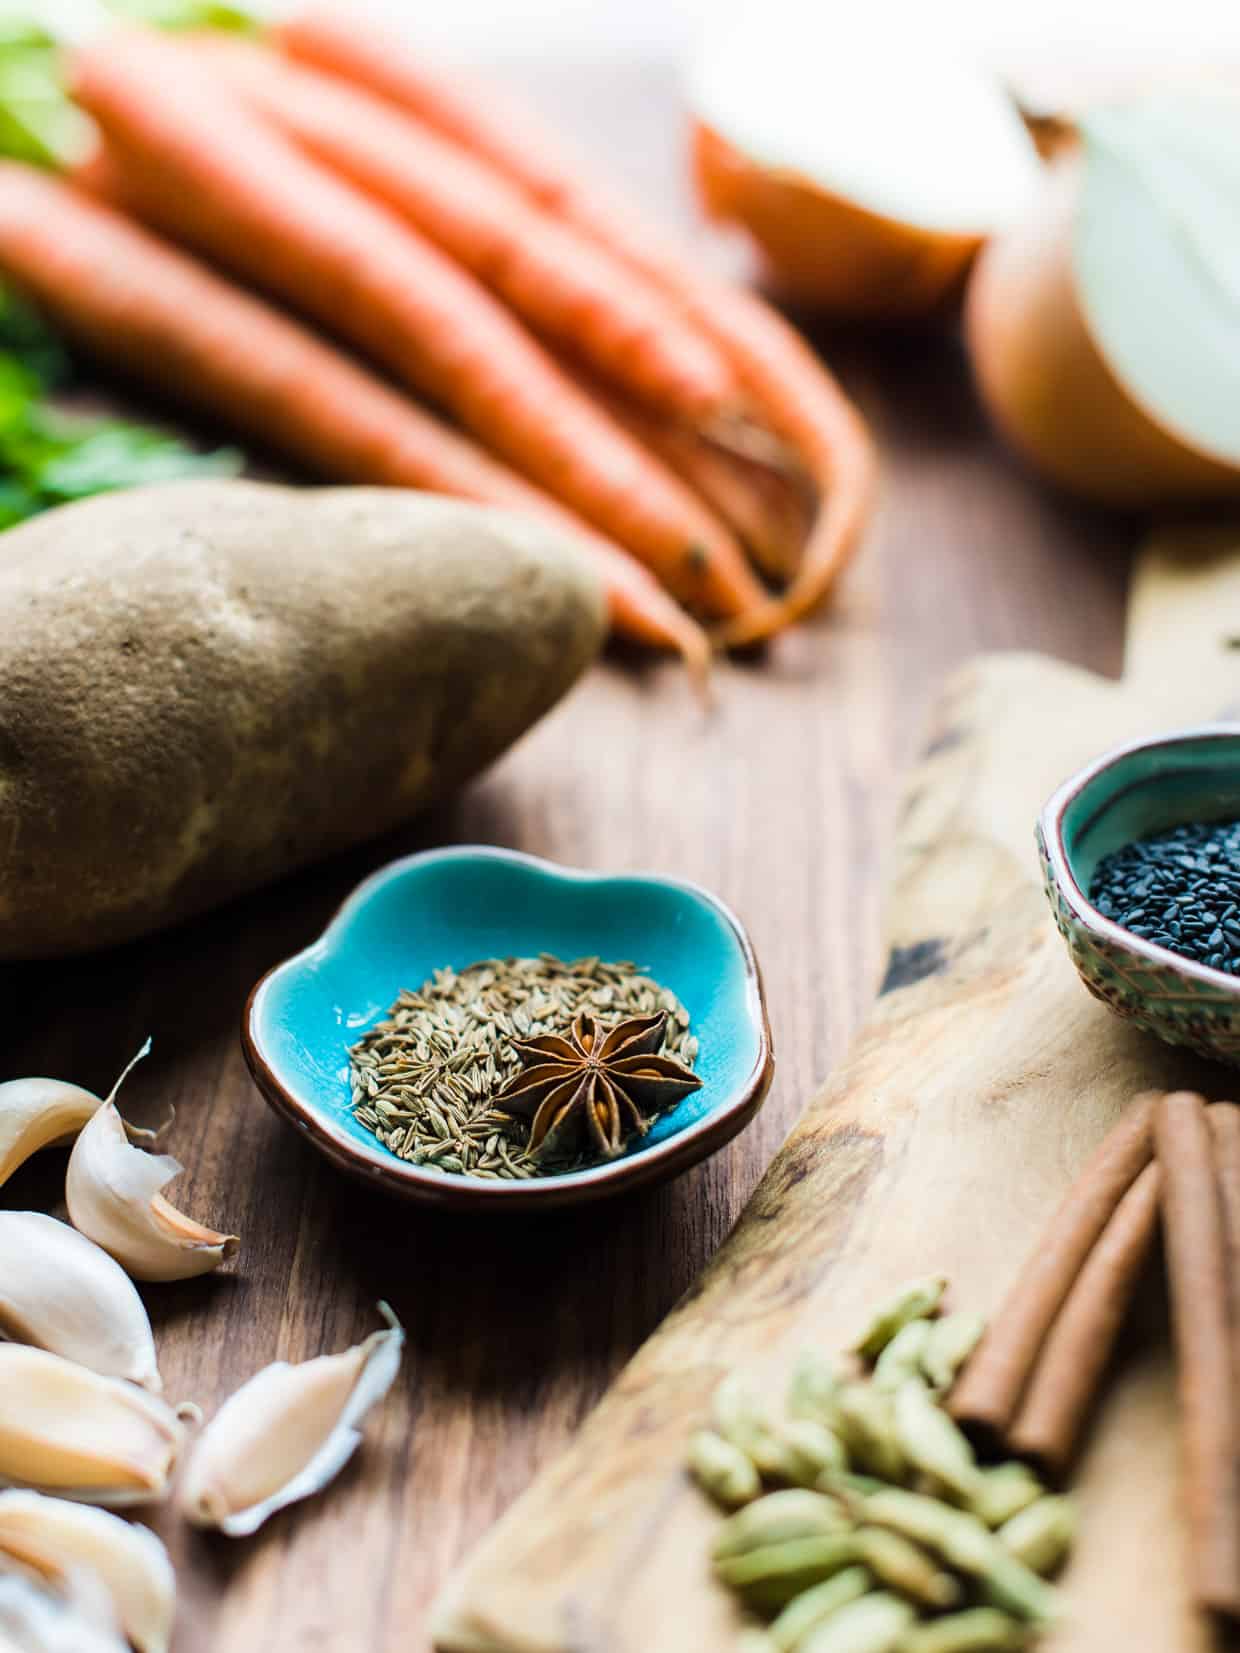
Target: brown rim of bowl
(637, 1170)
(1051, 824)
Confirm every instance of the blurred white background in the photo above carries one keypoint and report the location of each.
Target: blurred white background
(1015, 32)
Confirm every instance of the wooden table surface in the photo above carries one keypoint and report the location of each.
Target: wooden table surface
(779, 801)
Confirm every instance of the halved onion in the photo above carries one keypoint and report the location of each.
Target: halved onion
(1105, 329)
(868, 176)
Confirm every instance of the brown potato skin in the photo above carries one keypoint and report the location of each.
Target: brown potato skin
(205, 685)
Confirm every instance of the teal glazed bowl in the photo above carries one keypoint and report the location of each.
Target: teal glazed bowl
(1144, 788)
(453, 906)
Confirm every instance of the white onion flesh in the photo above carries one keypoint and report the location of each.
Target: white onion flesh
(887, 120)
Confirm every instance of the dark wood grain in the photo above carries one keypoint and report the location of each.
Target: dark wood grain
(779, 801)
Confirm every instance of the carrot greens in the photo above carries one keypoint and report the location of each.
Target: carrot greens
(39, 123)
(49, 456)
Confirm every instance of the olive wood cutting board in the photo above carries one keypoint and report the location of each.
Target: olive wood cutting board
(982, 1079)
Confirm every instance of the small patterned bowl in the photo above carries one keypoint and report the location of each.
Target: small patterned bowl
(454, 906)
(1147, 787)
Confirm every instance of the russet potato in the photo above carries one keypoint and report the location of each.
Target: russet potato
(206, 684)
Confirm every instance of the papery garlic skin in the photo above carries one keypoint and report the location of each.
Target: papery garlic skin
(112, 1189)
(35, 1113)
(35, 1618)
(286, 1433)
(61, 1292)
(66, 1430)
(129, 1560)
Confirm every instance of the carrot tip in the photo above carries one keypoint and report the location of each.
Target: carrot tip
(742, 437)
(699, 658)
(756, 625)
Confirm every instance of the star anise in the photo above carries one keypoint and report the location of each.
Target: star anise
(597, 1084)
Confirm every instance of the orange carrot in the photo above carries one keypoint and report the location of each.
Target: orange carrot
(473, 115)
(805, 404)
(783, 378)
(563, 285)
(205, 169)
(165, 319)
(758, 499)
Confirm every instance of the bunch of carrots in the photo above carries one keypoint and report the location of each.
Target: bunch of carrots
(294, 233)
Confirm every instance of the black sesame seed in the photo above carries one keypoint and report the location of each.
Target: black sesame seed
(1180, 889)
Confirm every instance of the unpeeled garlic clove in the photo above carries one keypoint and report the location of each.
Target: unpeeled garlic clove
(37, 1617)
(133, 1566)
(286, 1433)
(65, 1429)
(60, 1292)
(35, 1113)
(112, 1189)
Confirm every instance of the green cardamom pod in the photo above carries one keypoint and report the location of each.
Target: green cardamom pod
(918, 1300)
(755, 1641)
(1042, 1534)
(813, 1388)
(767, 1579)
(961, 1540)
(965, 1544)
(902, 1358)
(867, 1428)
(778, 1518)
(950, 1343)
(1015, 1588)
(875, 1624)
(976, 1630)
(815, 1607)
(848, 1484)
(811, 1451)
(1003, 1492)
(723, 1470)
(903, 1566)
(932, 1442)
(740, 1417)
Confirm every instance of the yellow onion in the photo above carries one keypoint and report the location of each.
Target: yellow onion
(1104, 329)
(867, 177)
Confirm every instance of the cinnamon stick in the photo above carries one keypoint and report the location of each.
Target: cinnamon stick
(1225, 1123)
(1197, 1262)
(1065, 1379)
(989, 1392)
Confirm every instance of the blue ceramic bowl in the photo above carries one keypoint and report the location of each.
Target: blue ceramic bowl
(1137, 790)
(453, 906)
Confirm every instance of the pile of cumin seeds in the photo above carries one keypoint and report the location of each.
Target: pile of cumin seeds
(424, 1079)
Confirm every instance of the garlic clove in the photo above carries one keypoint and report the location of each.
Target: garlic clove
(35, 1113)
(286, 1433)
(37, 1617)
(113, 1193)
(52, 1535)
(65, 1429)
(60, 1292)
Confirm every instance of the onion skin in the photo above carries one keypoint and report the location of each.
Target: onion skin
(1046, 384)
(823, 250)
